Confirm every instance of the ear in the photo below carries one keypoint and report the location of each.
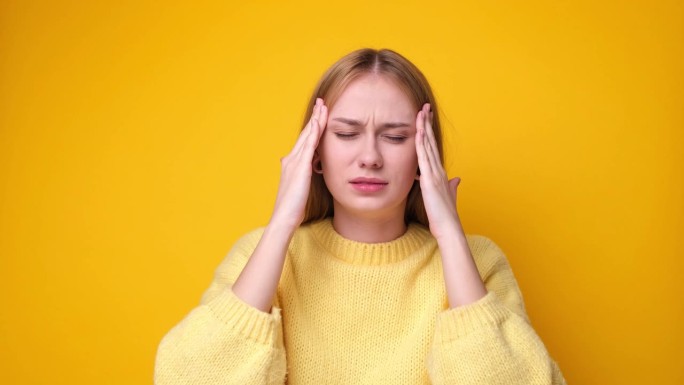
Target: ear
(316, 163)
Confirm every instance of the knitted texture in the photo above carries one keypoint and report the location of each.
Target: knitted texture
(357, 313)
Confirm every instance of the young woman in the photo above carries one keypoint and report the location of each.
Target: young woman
(363, 274)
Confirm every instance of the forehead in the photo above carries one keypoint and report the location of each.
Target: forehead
(373, 93)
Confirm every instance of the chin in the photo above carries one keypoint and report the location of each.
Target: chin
(371, 209)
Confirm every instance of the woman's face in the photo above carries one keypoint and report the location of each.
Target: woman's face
(367, 151)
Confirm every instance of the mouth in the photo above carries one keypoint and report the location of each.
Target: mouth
(368, 180)
(368, 184)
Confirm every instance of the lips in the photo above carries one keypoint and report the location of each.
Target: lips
(363, 180)
(368, 185)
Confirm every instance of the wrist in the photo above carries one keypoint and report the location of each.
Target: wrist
(280, 227)
(449, 233)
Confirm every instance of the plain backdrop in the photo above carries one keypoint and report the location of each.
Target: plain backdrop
(140, 139)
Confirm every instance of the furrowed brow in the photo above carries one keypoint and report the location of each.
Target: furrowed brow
(348, 121)
(357, 123)
(396, 125)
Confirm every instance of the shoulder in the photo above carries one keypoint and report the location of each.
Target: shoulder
(241, 250)
(232, 264)
(245, 245)
(249, 240)
(488, 256)
(477, 240)
(481, 244)
(310, 231)
(496, 272)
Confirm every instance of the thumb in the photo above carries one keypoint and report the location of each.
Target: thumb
(453, 184)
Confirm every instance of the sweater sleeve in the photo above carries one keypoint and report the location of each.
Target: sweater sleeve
(224, 340)
(490, 341)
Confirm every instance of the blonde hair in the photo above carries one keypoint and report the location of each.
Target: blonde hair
(331, 85)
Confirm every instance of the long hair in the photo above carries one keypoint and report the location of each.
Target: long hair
(335, 80)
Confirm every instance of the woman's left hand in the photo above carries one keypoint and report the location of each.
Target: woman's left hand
(461, 276)
(439, 193)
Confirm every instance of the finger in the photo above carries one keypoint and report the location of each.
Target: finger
(316, 132)
(423, 161)
(305, 132)
(453, 185)
(428, 120)
(431, 134)
(429, 153)
(430, 144)
(323, 120)
(311, 143)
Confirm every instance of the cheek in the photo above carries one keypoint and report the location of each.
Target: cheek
(323, 148)
(406, 168)
(405, 159)
(331, 153)
(334, 151)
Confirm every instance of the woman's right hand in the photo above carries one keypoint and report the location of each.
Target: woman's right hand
(257, 284)
(296, 171)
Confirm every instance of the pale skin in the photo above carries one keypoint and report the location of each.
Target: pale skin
(365, 148)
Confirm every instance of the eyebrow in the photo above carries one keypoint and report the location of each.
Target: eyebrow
(353, 122)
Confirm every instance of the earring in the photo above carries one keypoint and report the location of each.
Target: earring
(319, 169)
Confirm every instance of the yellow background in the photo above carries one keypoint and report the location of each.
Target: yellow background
(138, 141)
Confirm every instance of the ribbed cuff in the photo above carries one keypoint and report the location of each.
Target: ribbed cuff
(455, 323)
(251, 322)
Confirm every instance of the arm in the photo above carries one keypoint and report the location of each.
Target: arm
(258, 282)
(491, 340)
(485, 336)
(224, 340)
(235, 335)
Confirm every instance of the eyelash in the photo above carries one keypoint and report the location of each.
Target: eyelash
(344, 136)
(394, 139)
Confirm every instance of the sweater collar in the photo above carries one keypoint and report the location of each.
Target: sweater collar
(360, 253)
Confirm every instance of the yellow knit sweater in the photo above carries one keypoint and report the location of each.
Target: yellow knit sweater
(358, 313)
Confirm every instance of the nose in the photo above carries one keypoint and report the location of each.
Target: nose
(369, 156)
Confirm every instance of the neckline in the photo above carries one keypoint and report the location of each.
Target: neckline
(361, 253)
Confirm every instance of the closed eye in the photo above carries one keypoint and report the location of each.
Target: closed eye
(352, 135)
(396, 139)
(345, 135)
